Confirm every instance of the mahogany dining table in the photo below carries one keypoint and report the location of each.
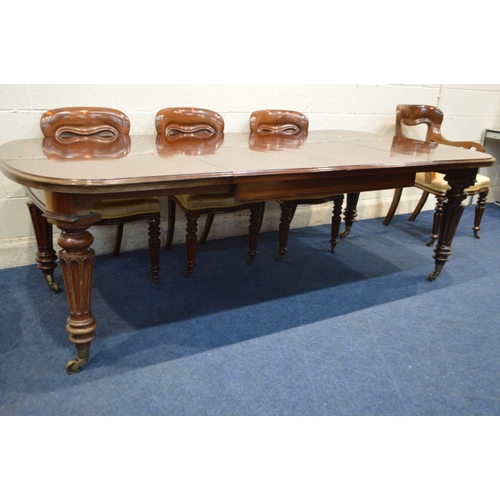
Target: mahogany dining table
(252, 168)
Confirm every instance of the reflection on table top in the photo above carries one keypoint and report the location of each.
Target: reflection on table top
(154, 158)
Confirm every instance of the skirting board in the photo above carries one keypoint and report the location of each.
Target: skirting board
(16, 252)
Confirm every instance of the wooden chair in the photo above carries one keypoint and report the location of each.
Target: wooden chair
(433, 182)
(289, 124)
(187, 126)
(80, 134)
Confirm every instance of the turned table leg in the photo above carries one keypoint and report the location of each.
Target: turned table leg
(458, 180)
(77, 264)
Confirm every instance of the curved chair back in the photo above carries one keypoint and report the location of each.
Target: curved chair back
(188, 122)
(416, 114)
(278, 121)
(69, 124)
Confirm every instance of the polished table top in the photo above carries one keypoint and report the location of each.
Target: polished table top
(147, 161)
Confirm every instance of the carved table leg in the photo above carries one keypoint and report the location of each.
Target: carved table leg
(350, 213)
(458, 180)
(77, 264)
(46, 256)
(336, 217)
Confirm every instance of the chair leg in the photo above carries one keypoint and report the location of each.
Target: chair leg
(336, 219)
(438, 212)
(154, 242)
(287, 211)
(206, 229)
(118, 239)
(46, 256)
(253, 231)
(392, 210)
(420, 205)
(481, 202)
(350, 213)
(191, 242)
(292, 212)
(171, 223)
(262, 211)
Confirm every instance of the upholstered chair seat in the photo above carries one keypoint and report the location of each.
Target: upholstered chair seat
(114, 209)
(437, 185)
(206, 201)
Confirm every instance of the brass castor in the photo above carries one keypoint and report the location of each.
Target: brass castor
(346, 232)
(52, 284)
(74, 365)
(435, 273)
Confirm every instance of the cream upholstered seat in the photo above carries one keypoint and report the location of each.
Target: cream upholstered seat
(290, 124)
(437, 183)
(433, 182)
(201, 131)
(83, 133)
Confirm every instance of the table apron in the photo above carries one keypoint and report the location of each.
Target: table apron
(262, 190)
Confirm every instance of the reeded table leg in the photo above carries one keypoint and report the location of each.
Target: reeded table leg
(458, 180)
(77, 264)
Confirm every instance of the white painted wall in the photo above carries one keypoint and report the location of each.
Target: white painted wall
(468, 110)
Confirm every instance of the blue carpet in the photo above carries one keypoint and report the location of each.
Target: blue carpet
(358, 332)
